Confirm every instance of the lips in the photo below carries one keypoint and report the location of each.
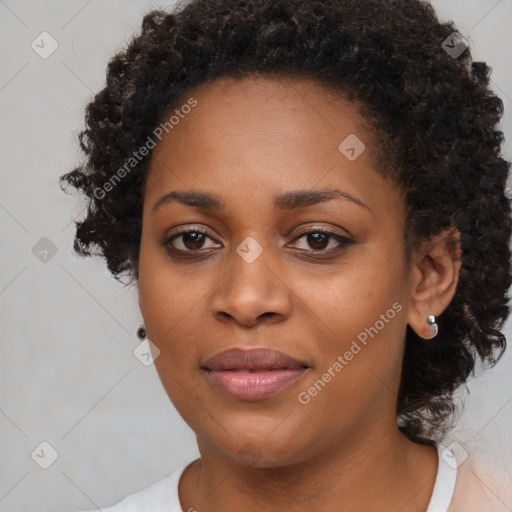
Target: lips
(253, 374)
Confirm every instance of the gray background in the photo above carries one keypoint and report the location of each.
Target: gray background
(68, 375)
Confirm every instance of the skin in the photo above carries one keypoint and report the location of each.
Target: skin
(247, 141)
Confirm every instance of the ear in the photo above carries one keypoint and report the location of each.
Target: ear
(435, 271)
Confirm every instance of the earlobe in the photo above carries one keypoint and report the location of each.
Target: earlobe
(431, 320)
(435, 270)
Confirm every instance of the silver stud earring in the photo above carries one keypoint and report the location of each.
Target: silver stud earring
(141, 331)
(431, 320)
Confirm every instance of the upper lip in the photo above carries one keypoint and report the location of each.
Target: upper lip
(252, 359)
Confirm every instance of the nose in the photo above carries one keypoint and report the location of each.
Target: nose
(252, 292)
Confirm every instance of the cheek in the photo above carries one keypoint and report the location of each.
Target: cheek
(169, 300)
(167, 292)
(350, 297)
(359, 315)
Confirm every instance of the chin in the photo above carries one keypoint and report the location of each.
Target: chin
(261, 451)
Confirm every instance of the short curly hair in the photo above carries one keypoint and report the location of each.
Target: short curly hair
(433, 112)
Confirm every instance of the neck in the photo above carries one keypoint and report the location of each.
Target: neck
(372, 472)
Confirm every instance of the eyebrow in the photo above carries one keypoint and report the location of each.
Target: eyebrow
(285, 201)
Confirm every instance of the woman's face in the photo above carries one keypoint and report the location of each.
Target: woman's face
(255, 279)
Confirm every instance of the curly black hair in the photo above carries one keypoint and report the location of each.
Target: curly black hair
(436, 121)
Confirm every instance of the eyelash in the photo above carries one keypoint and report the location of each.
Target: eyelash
(343, 241)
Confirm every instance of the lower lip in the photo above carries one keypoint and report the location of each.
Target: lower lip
(253, 385)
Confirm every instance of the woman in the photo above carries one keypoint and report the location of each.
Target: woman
(309, 197)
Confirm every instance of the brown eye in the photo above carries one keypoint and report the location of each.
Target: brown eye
(318, 240)
(191, 240)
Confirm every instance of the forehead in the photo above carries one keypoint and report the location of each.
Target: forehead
(276, 112)
(264, 134)
(271, 102)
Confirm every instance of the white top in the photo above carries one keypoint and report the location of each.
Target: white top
(162, 496)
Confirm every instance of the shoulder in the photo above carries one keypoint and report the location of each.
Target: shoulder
(482, 485)
(161, 496)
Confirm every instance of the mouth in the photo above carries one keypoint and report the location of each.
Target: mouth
(252, 374)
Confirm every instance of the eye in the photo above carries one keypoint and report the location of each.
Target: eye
(191, 240)
(319, 238)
